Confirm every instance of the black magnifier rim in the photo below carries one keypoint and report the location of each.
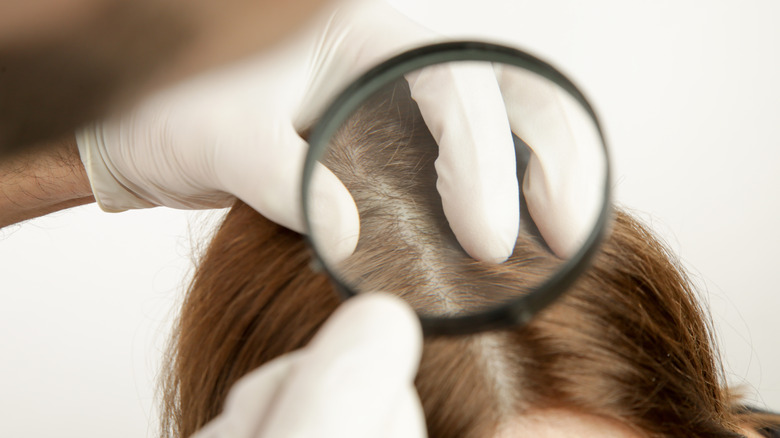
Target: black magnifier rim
(517, 312)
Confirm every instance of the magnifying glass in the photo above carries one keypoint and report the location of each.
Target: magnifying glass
(374, 138)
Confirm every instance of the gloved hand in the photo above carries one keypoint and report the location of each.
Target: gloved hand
(354, 380)
(236, 132)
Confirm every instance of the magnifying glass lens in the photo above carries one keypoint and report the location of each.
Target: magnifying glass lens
(384, 149)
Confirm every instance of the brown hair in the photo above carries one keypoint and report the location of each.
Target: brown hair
(628, 342)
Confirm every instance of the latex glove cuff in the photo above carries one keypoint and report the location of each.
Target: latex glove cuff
(111, 195)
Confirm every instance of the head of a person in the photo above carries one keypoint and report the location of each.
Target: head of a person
(64, 63)
(627, 352)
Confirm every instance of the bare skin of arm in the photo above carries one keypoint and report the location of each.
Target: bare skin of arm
(41, 180)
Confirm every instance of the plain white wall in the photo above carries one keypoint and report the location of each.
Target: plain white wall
(688, 95)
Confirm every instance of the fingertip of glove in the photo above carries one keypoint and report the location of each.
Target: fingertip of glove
(384, 311)
(379, 326)
(495, 250)
(487, 236)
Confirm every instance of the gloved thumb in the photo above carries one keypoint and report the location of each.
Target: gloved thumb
(355, 379)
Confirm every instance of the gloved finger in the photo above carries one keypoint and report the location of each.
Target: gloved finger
(268, 178)
(249, 399)
(354, 373)
(564, 182)
(477, 176)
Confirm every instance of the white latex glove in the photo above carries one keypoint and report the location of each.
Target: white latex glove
(235, 132)
(354, 380)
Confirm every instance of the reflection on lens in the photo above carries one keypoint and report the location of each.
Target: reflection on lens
(384, 153)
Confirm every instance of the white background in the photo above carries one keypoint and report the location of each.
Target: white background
(687, 92)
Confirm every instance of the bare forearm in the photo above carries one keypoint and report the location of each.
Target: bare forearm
(42, 180)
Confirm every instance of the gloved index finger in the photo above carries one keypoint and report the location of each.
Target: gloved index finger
(462, 106)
